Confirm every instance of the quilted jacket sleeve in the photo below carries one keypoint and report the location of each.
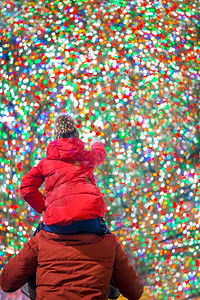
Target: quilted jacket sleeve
(19, 269)
(29, 188)
(97, 155)
(125, 277)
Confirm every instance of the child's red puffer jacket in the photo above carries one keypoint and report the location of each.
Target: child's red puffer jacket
(71, 191)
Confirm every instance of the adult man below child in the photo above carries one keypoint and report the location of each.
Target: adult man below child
(72, 267)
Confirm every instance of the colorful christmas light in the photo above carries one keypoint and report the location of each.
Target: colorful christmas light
(129, 72)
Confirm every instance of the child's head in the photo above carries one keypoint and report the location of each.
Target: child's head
(65, 127)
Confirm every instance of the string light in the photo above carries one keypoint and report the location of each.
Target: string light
(127, 71)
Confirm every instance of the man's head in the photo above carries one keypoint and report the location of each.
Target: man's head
(65, 127)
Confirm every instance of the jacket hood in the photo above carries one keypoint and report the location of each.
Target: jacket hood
(66, 149)
(74, 239)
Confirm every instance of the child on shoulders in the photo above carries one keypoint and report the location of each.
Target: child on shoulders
(73, 202)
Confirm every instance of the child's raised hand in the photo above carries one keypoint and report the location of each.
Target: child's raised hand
(94, 139)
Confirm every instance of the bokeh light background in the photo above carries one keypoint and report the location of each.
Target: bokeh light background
(128, 71)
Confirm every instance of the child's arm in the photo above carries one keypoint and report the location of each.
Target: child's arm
(98, 152)
(29, 189)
